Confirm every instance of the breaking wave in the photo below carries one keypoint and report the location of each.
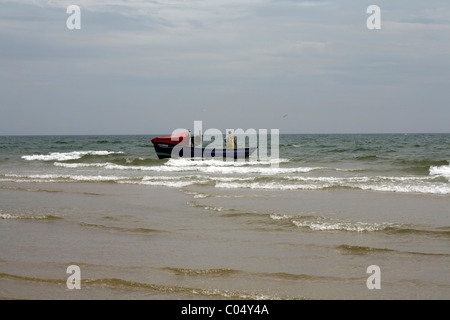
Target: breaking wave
(65, 156)
(59, 178)
(433, 184)
(320, 223)
(374, 183)
(443, 171)
(265, 174)
(123, 284)
(9, 216)
(328, 224)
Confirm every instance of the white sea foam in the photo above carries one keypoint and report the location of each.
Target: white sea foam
(204, 166)
(211, 168)
(234, 167)
(201, 196)
(385, 184)
(8, 216)
(443, 171)
(280, 217)
(165, 178)
(325, 225)
(235, 175)
(181, 162)
(258, 170)
(61, 178)
(431, 189)
(64, 156)
(268, 186)
(95, 178)
(168, 181)
(77, 165)
(112, 166)
(163, 183)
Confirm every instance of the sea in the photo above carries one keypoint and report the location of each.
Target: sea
(332, 216)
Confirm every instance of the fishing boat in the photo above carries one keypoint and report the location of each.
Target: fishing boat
(164, 147)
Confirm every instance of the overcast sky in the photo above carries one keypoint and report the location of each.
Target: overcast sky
(145, 67)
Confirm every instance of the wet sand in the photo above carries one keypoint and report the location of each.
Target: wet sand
(201, 242)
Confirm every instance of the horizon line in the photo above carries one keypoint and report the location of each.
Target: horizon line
(152, 134)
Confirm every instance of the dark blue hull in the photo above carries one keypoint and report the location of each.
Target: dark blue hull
(165, 150)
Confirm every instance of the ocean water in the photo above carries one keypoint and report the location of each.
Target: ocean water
(392, 163)
(305, 225)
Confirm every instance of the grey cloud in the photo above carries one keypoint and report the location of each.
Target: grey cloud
(151, 66)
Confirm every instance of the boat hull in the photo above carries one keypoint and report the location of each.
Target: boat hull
(166, 150)
(179, 146)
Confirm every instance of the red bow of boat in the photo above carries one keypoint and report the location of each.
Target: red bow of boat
(172, 139)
